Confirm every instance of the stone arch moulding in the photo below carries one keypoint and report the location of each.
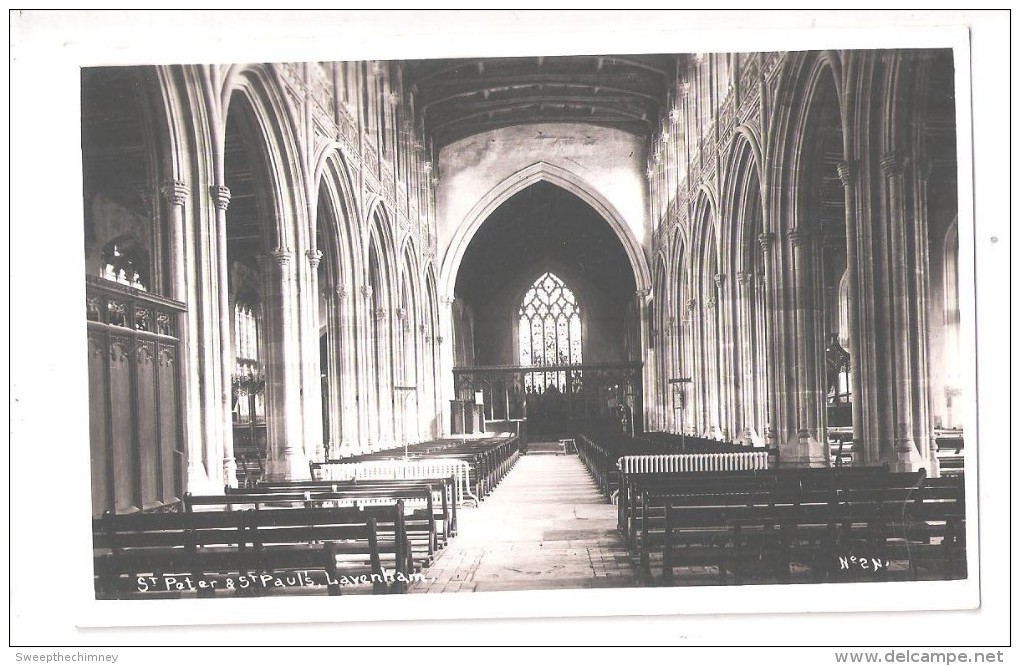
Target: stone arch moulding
(541, 171)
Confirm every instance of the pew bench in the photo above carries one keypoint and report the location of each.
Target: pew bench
(418, 525)
(216, 553)
(443, 493)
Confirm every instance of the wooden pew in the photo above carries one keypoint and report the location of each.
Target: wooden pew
(489, 459)
(443, 490)
(877, 518)
(419, 525)
(206, 553)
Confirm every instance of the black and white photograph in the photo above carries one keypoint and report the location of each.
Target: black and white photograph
(429, 330)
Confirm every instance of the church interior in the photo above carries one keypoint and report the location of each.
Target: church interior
(491, 324)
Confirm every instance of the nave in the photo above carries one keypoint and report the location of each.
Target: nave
(321, 293)
(545, 527)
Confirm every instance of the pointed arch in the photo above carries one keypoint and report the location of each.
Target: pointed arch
(541, 171)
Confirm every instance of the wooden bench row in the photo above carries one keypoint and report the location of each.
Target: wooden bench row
(309, 534)
(209, 553)
(489, 459)
(755, 525)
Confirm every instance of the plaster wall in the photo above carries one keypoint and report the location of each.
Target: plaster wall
(610, 161)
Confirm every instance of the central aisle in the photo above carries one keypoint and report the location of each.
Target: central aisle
(545, 527)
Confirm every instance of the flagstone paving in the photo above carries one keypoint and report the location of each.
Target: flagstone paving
(544, 527)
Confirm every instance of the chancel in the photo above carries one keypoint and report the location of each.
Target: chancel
(523, 323)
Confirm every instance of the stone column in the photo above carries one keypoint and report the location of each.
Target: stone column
(647, 389)
(312, 384)
(673, 368)
(368, 415)
(860, 406)
(286, 459)
(444, 341)
(344, 351)
(773, 398)
(691, 392)
(745, 342)
(905, 336)
(221, 199)
(924, 425)
(807, 392)
(728, 380)
(182, 265)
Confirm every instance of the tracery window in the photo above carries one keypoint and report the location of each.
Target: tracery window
(249, 380)
(550, 333)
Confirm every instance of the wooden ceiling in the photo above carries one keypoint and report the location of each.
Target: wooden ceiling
(457, 98)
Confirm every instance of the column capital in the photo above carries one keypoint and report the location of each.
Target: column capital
(798, 236)
(341, 291)
(220, 195)
(691, 304)
(642, 293)
(892, 163)
(366, 291)
(710, 302)
(765, 240)
(282, 255)
(400, 313)
(720, 280)
(175, 192)
(743, 278)
(314, 257)
(447, 300)
(379, 313)
(847, 170)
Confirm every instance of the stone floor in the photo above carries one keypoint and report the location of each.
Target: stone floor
(544, 527)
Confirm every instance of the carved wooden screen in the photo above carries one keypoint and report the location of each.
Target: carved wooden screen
(138, 457)
(549, 331)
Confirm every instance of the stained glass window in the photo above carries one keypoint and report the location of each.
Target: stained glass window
(550, 331)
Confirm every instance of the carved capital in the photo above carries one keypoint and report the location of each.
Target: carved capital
(743, 278)
(314, 257)
(283, 255)
(710, 302)
(220, 195)
(175, 192)
(439, 339)
(400, 313)
(892, 164)
(448, 300)
(379, 313)
(643, 293)
(341, 291)
(691, 304)
(720, 280)
(765, 240)
(798, 236)
(366, 291)
(847, 171)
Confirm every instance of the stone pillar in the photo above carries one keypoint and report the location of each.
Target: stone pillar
(344, 354)
(690, 392)
(745, 348)
(774, 413)
(444, 341)
(312, 384)
(729, 382)
(182, 264)
(211, 371)
(863, 453)
(367, 373)
(808, 392)
(924, 424)
(642, 296)
(905, 334)
(287, 460)
(221, 199)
